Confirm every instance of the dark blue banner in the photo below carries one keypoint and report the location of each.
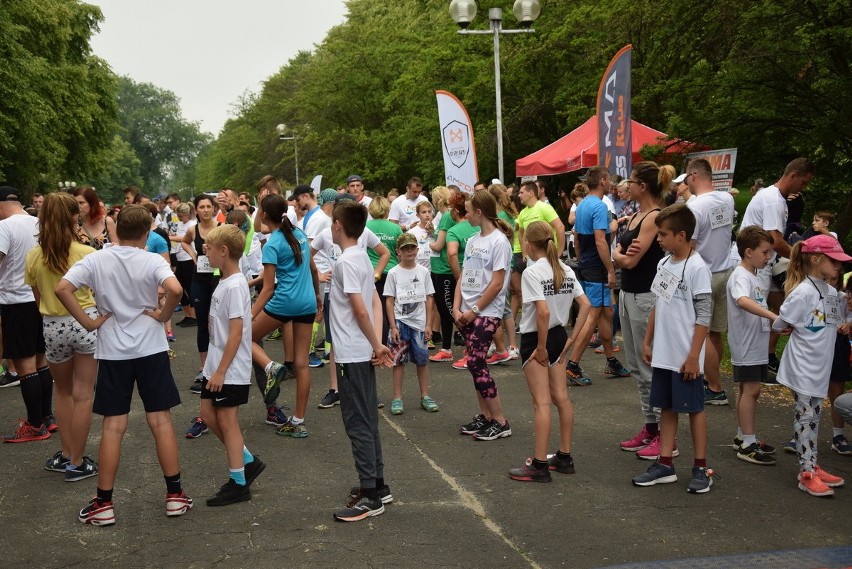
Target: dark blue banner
(614, 136)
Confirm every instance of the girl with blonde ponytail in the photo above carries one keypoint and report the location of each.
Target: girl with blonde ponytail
(548, 289)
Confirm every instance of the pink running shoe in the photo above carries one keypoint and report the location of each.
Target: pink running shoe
(652, 451)
(460, 364)
(639, 441)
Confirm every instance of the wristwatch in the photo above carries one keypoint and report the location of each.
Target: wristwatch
(475, 309)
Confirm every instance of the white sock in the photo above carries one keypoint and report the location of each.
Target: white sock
(749, 440)
(296, 421)
(740, 432)
(838, 431)
(268, 366)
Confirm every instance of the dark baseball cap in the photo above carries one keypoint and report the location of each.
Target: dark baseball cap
(354, 178)
(9, 194)
(344, 198)
(301, 189)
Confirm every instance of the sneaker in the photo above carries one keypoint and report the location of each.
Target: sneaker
(514, 353)
(87, 469)
(428, 404)
(715, 397)
(656, 474)
(790, 446)
(442, 356)
(325, 357)
(253, 469)
(274, 335)
(199, 377)
(498, 358)
(613, 367)
(172, 354)
(187, 322)
(381, 404)
(314, 360)
(810, 482)
(97, 513)
(25, 433)
(493, 431)
(430, 344)
(828, 479)
(702, 480)
(355, 494)
(563, 465)
(774, 364)
(594, 342)
(840, 445)
(576, 376)
(275, 416)
(230, 493)
(50, 424)
(288, 429)
(362, 509)
(170, 336)
(396, 407)
(178, 504)
(753, 454)
(458, 339)
(474, 426)
(331, 399)
(529, 473)
(491, 349)
(764, 447)
(461, 363)
(615, 349)
(197, 428)
(652, 451)
(195, 388)
(57, 462)
(9, 380)
(639, 441)
(276, 374)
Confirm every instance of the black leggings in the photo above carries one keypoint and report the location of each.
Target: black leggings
(203, 286)
(184, 271)
(445, 289)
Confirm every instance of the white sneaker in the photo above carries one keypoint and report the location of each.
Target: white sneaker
(514, 353)
(491, 350)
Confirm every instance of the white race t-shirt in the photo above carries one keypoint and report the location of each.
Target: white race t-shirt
(180, 230)
(767, 209)
(353, 273)
(806, 362)
(674, 321)
(18, 234)
(537, 284)
(409, 287)
(230, 300)
(714, 218)
(317, 221)
(483, 256)
(404, 211)
(425, 252)
(748, 334)
(125, 281)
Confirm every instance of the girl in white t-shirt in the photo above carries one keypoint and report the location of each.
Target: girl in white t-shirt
(478, 304)
(812, 312)
(548, 288)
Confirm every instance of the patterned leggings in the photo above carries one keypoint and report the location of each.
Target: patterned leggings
(806, 429)
(477, 336)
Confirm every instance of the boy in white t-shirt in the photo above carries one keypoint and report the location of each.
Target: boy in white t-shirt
(357, 349)
(409, 299)
(227, 370)
(132, 349)
(424, 231)
(677, 328)
(749, 322)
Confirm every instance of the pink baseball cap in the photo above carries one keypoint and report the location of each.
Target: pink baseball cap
(827, 245)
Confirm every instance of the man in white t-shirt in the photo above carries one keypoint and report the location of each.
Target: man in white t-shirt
(403, 210)
(355, 186)
(714, 218)
(768, 209)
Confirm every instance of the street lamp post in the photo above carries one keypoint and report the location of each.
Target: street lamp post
(281, 129)
(526, 12)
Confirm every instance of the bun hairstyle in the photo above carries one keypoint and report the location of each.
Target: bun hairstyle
(540, 234)
(656, 179)
(485, 202)
(457, 203)
(275, 209)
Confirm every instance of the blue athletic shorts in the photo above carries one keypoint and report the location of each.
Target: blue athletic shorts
(598, 294)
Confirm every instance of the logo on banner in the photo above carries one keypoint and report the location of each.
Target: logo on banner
(456, 136)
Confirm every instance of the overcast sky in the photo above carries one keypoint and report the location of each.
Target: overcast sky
(208, 52)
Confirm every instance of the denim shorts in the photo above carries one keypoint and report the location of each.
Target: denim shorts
(669, 390)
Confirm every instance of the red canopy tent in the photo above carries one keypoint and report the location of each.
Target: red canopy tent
(579, 149)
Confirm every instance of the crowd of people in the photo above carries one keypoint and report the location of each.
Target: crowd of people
(355, 281)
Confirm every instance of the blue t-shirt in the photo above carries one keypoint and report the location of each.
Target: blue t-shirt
(592, 214)
(156, 243)
(294, 292)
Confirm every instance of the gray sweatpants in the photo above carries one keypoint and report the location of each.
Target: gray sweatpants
(634, 309)
(843, 405)
(359, 402)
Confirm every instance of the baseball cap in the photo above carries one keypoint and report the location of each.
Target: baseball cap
(328, 195)
(406, 239)
(9, 194)
(679, 179)
(344, 197)
(827, 245)
(300, 190)
(354, 178)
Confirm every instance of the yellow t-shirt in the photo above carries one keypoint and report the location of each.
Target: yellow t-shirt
(39, 275)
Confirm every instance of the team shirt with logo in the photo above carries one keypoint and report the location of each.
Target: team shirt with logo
(537, 284)
(353, 273)
(230, 300)
(482, 256)
(748, 334)
(714, 218)
(404, 211)
(409, 288)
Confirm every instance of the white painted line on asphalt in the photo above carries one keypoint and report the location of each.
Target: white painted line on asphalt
(467, 499)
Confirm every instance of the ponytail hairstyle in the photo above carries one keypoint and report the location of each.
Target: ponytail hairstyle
(57, 224)
(441, 197)
(656, 179)
(501, 194)
(275, 208)
(458, 205)
(485, 202)
(798, 268)
(540, 234)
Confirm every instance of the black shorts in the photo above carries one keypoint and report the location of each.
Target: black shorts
(153, 377)
(758, 372)
(230, 396)
(840, 372)
(556, 338)
(326, 306)
(518, 263)
(304, 319)
(22, 330)
(669, 390)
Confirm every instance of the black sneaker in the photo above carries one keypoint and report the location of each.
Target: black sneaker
(474, 426)
(195, 388)
(331, 399)
(773, 365)
(754, 455)
(363, 509)
(187, 322)
(56, 463)
(355, 494)
(253, 469)
(529, 473)
(493, 431)
(458, 339)
(9, 380)
(230, 493)
(85, 470)
(563, 465)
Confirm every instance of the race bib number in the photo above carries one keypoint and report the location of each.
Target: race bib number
(410, 293)
(472, 280)
(664, 285)
(765, 325)
(832, 311)
(720, 216)
(425, 251)
(203, 265)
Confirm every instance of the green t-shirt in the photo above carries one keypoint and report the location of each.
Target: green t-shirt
(387, 232)
(439, 263)
(539, 212)
(460, 233)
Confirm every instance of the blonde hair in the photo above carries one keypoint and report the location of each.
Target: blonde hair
(441, 196)
(540, 234)
(379, 207)
(485, 202)
(231, 237)
(799, 267)
(503, 200)
(57, 230)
